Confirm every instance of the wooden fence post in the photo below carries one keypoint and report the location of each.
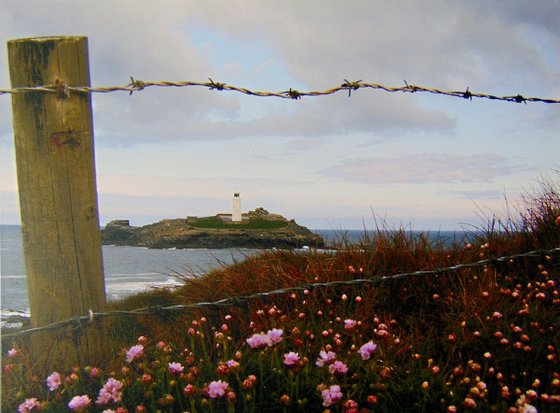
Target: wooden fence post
(57, 190)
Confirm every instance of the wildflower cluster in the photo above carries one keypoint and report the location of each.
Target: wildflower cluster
(213, 370)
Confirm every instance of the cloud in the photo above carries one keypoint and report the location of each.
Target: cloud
(474, 43)
(425, 168)
(124, 40)
(472, 194)
(158, 120)
(539, 14)
(316, 45)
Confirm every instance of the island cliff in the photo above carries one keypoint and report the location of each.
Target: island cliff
(258, 229)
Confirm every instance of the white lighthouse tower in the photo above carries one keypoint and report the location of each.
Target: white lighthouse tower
(236, 208)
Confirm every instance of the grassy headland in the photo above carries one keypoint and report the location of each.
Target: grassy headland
(481, 337)
(254, 223)
(258, 229)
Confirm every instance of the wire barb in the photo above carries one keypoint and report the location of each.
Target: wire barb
(293, 94)
(351, 86)
(411, 88)
(520, 99)
(135, 85)
(216, 85)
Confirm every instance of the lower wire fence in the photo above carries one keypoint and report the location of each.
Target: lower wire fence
(80, 321)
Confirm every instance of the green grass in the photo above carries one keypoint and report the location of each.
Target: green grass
(252, 224)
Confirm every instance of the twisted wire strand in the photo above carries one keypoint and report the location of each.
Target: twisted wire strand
(233, 301)
(348, 86)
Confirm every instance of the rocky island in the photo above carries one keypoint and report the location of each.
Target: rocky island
(256, 229)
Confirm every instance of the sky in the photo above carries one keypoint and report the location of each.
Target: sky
(420, 161)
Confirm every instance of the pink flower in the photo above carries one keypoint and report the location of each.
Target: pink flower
(291, 359)
(232, 364)
(338, 367)
(349, 324)
(176, 368)
(110, 392)
(325, 357)
(12, 353)
(274, 336)
(469, 403)
(367, 350)
(382, 333)
(189, 390)
(53, 381)
(261, 340)
(217, 389)
(29, 405)
(135, 352)
(527, 408)
(350, 406)
(79, 403)
(257, 341)
(523, 406)
(331, 396)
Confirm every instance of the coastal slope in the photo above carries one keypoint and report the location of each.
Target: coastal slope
(258, 229)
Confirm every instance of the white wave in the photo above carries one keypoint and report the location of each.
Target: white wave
(4, 324)
(13, 318)
(132, 287)
(172, 282)
(5, 313)
(141, 274)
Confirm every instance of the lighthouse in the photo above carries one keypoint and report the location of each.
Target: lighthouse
(236, 208)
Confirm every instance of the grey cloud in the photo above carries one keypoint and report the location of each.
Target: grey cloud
(159, 116)
(424, 168)
(540, 14)
(476, 43)
(477, 194)
(463, 44)
(158, 119)
(335, 115)
(144, 40)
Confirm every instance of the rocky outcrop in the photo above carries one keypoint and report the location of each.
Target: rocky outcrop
(177, 233)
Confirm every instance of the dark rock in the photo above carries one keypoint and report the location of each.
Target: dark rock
(177, 233)
(119, 232)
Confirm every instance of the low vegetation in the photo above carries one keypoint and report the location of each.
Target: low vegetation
(482, 337)
(216, 222)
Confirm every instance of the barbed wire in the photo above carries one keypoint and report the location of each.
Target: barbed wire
(63, 90)
(80, 321)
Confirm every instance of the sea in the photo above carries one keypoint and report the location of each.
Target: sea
(129, 270)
